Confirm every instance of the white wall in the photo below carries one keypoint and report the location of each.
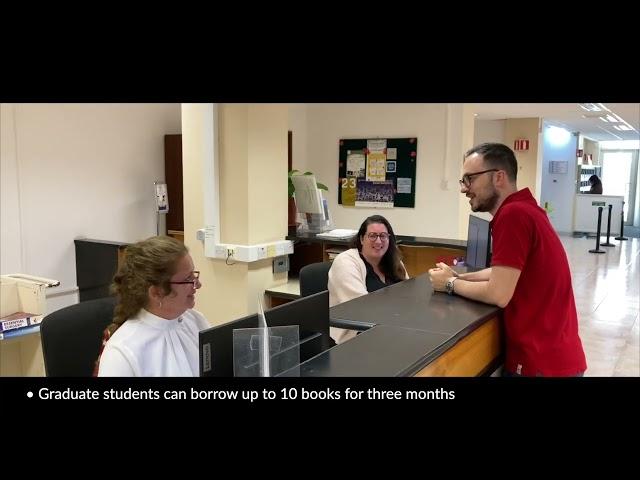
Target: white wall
(77, 170)
(298, 125)
(589, 146)
(10, 225)
(252, 164)
(636, 217)
(439, 159)
(559, 189)
(489, 131)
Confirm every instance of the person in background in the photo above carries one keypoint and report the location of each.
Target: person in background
(373, 263)
(596, 184)
(529, 275)
(155, 329)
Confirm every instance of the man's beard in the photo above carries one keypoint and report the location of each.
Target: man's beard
(487, 205)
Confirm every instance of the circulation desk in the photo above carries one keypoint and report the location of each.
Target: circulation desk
(413, 331)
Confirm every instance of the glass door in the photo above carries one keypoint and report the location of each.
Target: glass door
(619, 171)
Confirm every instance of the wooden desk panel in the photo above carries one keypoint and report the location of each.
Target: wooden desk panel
(472, 356)
(419, 259)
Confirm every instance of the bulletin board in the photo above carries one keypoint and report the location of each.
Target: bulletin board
(377, 172)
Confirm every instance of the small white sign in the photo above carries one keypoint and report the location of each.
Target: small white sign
(162, 199)
(404, 185)
(392, 153)
(558, 167)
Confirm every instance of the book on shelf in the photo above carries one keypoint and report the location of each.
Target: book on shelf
(18, 332)
(19, 320)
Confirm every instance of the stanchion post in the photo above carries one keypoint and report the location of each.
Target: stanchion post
(597, 249)
(622, 237)
(608, 243)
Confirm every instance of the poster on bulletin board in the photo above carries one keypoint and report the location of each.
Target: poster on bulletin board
(378, 172)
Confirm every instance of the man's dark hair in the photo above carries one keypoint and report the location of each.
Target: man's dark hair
(497, 155)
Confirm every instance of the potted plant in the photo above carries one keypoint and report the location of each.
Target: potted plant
(292, 204)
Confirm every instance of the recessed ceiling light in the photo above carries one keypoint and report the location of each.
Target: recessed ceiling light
(599, 115)
(590, 107)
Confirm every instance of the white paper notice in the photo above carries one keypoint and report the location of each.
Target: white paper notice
(355, 163)
(377, 145)
(404, 185)
(392, 153)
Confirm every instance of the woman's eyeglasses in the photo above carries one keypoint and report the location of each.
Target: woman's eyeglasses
(374, 236)
(195, 274)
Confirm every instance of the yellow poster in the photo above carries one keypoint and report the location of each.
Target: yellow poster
(376, 166)
(348, 186)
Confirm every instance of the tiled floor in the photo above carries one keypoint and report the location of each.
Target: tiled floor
(607, 292)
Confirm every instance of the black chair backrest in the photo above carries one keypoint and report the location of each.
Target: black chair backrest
(71, 337)
(314, 278)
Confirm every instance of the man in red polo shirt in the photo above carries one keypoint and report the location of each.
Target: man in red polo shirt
(529, 275)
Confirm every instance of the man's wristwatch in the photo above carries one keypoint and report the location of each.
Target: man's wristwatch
(449, 285)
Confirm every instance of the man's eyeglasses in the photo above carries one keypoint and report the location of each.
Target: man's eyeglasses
(195, 274)
(467, 179)
(374, 236)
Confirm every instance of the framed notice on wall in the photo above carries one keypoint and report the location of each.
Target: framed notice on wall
(377, 172)
(558, 167)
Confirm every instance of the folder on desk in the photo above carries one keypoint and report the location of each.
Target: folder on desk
(338, 234)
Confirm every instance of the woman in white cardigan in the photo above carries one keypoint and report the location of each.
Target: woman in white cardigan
(375, 262)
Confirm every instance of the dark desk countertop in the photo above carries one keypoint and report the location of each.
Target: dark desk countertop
(401, 239)
(409, 327)
(411, 304)
(104, 242)
(382, 351)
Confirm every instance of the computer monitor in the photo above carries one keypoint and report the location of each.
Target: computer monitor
(478, 243)
(310, 313)
(308, 197)
(311, 203)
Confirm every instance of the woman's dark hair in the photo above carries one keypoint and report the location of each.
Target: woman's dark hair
(151, 262)
(391, 262)
(594, 180)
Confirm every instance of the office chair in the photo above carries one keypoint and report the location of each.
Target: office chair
(71, 337)
(314, 278)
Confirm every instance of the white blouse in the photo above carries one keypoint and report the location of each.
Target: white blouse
(150, 346)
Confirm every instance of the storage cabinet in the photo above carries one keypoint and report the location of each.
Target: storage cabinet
(173, 177)
(97, 261)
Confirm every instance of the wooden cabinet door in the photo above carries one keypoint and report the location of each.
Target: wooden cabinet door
(173, 177)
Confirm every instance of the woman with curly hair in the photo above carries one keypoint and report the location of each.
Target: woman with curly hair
(155, 329)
